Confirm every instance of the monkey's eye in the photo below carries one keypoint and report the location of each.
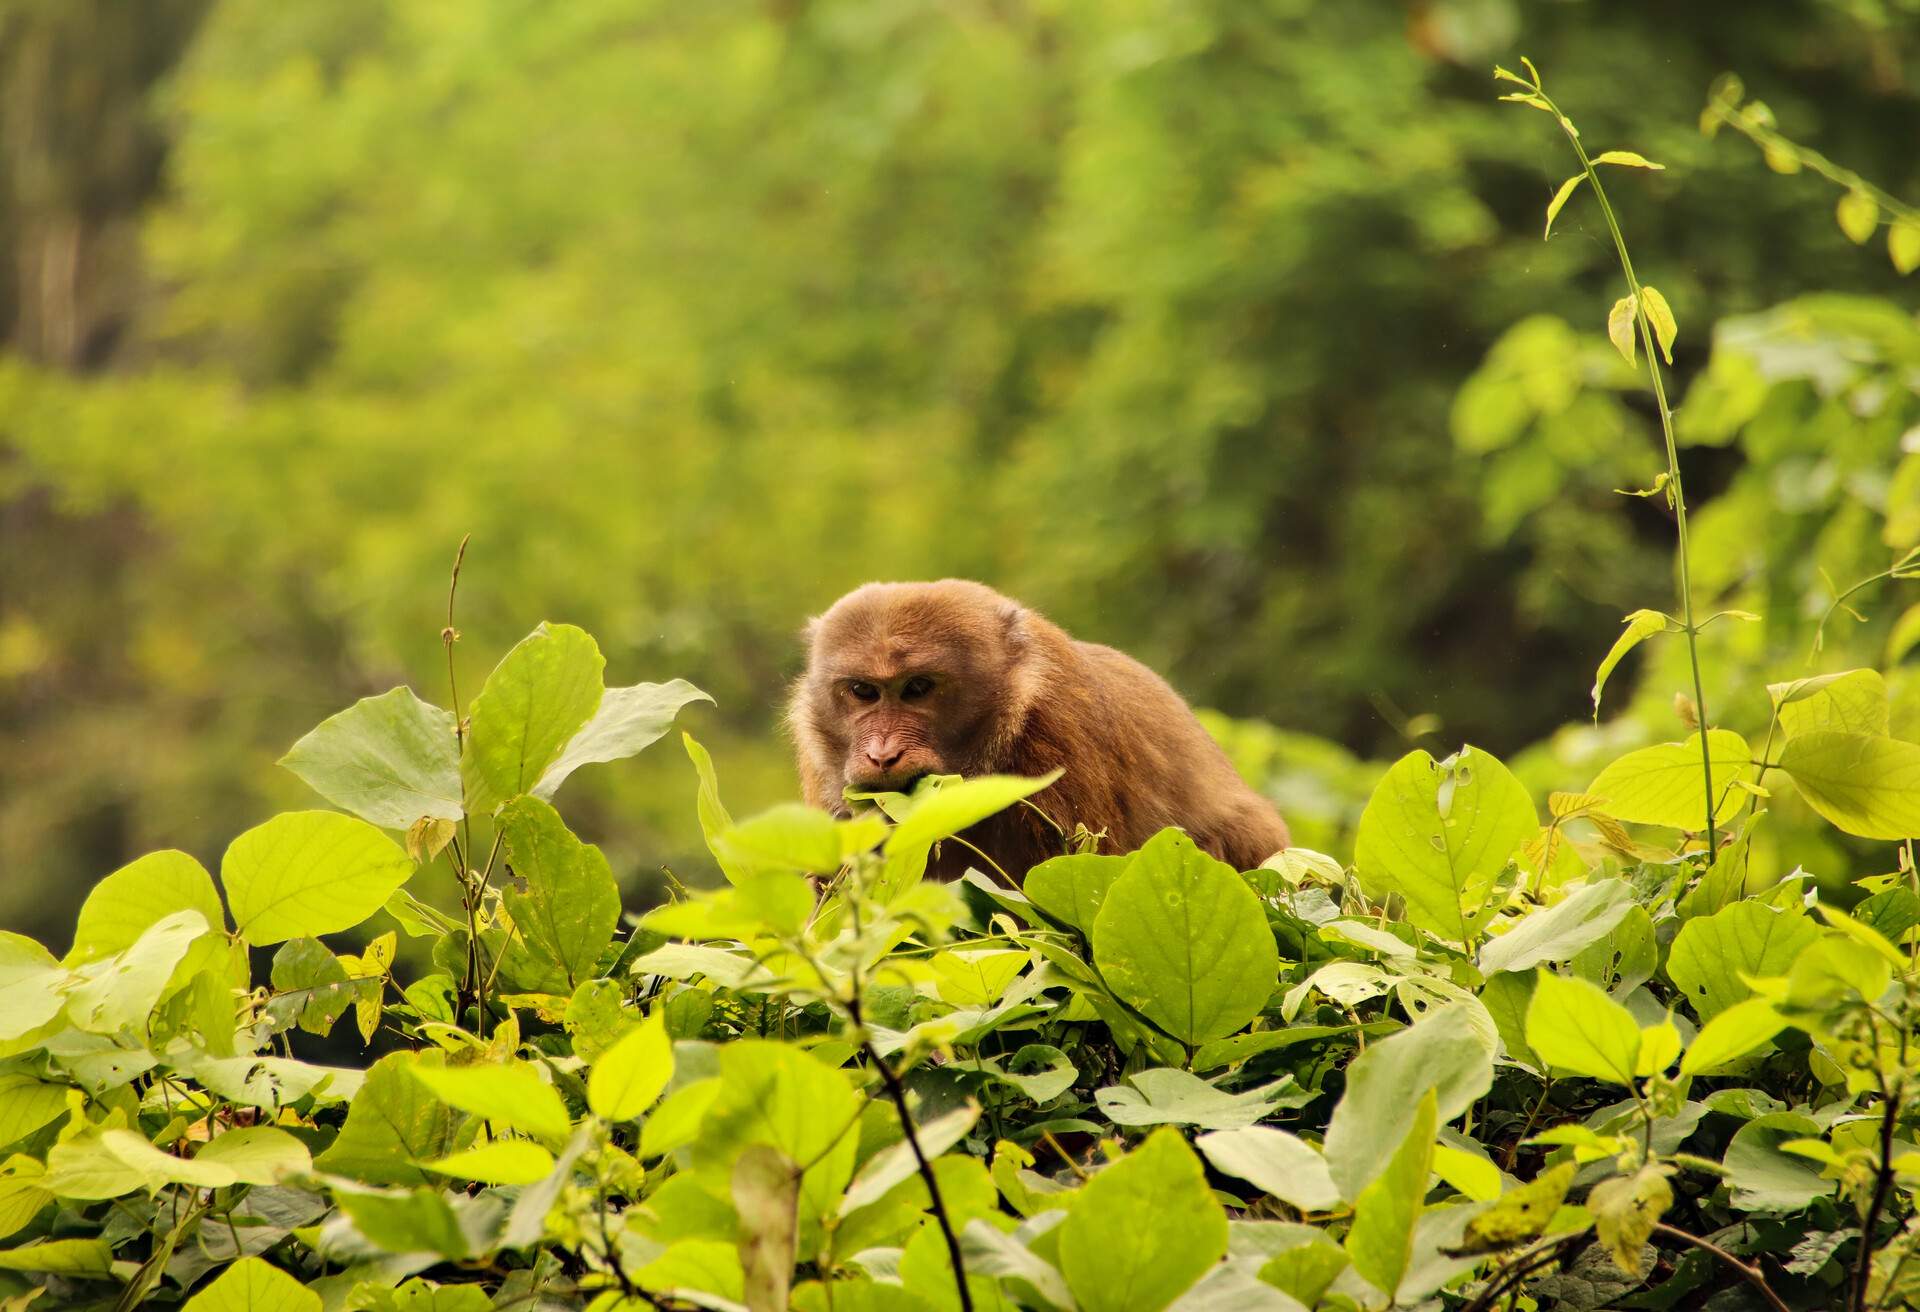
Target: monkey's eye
(863, 691)
(916, 687)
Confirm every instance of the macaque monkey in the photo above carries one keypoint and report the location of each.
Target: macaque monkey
(911, 679)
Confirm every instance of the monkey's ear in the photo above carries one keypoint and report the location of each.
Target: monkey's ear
(1013, 621)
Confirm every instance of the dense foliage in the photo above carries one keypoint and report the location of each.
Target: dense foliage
(1578, 1062)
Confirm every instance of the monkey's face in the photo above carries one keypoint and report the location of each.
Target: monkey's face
(903, 681)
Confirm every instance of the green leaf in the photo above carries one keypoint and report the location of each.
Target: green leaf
(1520, 1214)
(1903, 245)
(1573, 1026)
(77, 1258)
(1641, 625)
(541, 694)
(1381, 1240)
(309, 873)
(1182, 938)
(793, 836)
(1853, 701)
(389, 759)
(26, 1104)
(1711, 953)
(775, 1094)
(1306, 1269)
(507, 1093)
(1735, 1032)
(1560, 199)
(949, 811)
(417, 1220)
(256, 1154)
(1143, 1230)
(1560, 932)
(709, 1267)
(571, 907)
(1663, 784)
(631, 1074)
(1867, 785)
(1275, 1162)
(1625, 1211)
(1660, 315)
(1439, 834)
(766, 1196)
(1834, 968)
(1626, 158)
(1620, 327)
(1857, 215)
(628, 721)
(122, 990)
(1072, 889)
(21, 1196)
(1765, 1179)
(31, 984)
(1163, 1096)
(251, 1285)
(1448, 1050)
(393, 1123)
(128, 902)
(311, 988)
(503, 1161)
(896, 1163)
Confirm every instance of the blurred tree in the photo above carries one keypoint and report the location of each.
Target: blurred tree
(1152, 313)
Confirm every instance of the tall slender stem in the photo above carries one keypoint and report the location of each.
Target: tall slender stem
(1647, 340)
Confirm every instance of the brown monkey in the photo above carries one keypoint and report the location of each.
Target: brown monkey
(909, 679)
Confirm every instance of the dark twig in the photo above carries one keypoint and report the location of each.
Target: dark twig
(1751, 1274)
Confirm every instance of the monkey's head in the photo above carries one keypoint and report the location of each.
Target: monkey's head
(911, 679)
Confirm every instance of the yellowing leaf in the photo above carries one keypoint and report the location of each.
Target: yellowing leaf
(1660, 315)
(1641, 625)
(1626, 1210)
(1560, 198)
(1520, 1215)
(1857, 216)
(1903, 245)
(1620, 327)
(1627, 159)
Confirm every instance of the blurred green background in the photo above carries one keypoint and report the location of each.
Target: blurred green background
(1220, 330)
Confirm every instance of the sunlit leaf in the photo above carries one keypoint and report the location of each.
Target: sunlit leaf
(1560, 199)
(1143, 1230)
(1621, 320)
(1626, 158)
(389, 759)
(1384, 1216)
(307, 873)
(630, 1075)
(1660, 316)
(1641, 625)
(1865, 784)
(542, 693)
(1665, 784)
(627, 721)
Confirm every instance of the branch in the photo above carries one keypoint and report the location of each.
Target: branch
(1751, 1274)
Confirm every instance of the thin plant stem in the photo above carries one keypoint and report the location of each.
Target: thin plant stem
(1751, 1274)
(1645, 322)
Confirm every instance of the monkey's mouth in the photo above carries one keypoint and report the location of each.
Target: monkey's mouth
(868, 789)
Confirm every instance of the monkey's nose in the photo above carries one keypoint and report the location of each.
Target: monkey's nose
(885, 756)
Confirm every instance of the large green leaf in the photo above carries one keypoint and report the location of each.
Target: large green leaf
(1560, 932)
(1666, 785)
(1854, 701)
(26, 1104)
(1448, 1050)
(571, 907)
(1765, 1179)
(1381, 1240)
(1732, 1034)
(1438, 833)
(1072, 889)
(394, 1123)
(1573, 1026)
(389, 759)
(309, 873)
(509, 1094)
(127, 902)
(122, 990)
(630, 1075)
(1182, 938)
(1711, 953)
(1143, 1230)
(538, 697)
(1862, 783)
(31, 985)
(1164, 1096)
(251, 1285)
(628, 721)
(776, 1094)
(1275, 1162)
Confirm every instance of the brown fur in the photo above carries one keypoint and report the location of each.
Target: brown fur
(1013, 694)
